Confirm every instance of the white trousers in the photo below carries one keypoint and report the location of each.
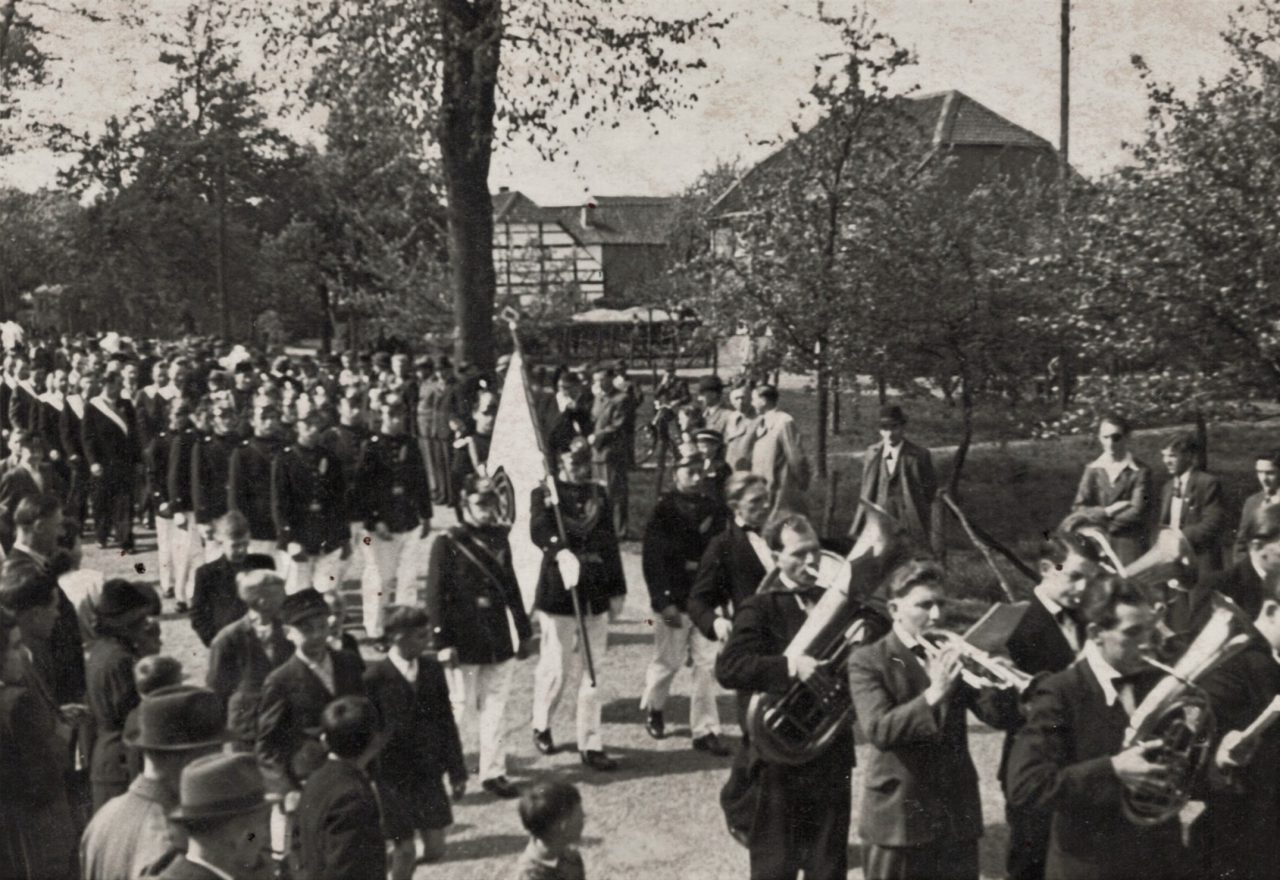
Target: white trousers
(324, 572)
(167, 551)
(186, 555)
(480, 691)
(671, 646)
(561, 660)
(398, 561)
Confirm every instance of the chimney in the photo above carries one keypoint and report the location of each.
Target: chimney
(588, 215)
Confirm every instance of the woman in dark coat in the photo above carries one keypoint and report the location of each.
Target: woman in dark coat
(37, 836)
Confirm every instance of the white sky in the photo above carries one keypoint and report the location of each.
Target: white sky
(1002, 53)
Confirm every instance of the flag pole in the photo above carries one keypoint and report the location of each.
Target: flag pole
(513, 321)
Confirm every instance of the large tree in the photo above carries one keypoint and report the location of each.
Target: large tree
(468, 75)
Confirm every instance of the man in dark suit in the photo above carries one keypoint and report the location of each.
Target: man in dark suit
(339, 819)
(1046, 639)
(676, 536)
(1192, 503)
(1243, 583)
(70, 422)
(111, 447)
(1267, 469)
(1236, 836)
(801, 812)
(246, 651)
(560, 414)
(293, 699)
(1115, 490)
(224, 813)
(211, 467)
(735, 561)
(898, 475)
(249, 481)
(921, 814)
(608, 446)
(1069, 758)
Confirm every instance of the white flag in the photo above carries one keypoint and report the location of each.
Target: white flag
(517, 449)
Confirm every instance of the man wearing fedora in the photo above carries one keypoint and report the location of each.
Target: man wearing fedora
(898, 475)
(121, 623)
(131, 833)
(293, 700)
(223, 809)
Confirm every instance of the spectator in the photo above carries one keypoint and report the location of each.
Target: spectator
(551, 811)
(777, 453)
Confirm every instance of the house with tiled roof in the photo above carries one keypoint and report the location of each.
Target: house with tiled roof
(598, 253)
(979, 144)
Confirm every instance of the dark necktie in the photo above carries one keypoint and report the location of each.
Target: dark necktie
(918, 650)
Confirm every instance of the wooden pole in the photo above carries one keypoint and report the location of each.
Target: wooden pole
(1064, 96)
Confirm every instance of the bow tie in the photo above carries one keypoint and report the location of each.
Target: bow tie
(752, 529)
(810, 594)
(1132, 678)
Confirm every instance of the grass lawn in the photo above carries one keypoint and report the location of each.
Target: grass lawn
(659, 816)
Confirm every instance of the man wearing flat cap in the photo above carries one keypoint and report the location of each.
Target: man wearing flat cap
(898, 475)
(293, 699)
(132, 834)
(223, 809)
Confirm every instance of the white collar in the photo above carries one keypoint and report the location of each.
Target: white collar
(1103, 671)
(905, 637)
(1261, 574)
(407, 668)
(38, 557)
(1115, 468)
(896, 448)
(1043, 595)
(214, 869)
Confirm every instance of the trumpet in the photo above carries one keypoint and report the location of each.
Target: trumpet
(979, 669)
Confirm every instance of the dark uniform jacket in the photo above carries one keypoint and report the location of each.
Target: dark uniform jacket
(309, 499)
(156, 457)
(423, 748)
(210, 475)
(181, 486)
(293, 699)
(1236, 835)
(473, 598)
(239, 663)
(589, 528)
(111, 696)
(729, 572)
(1061, 761)
(346, 441)
(1204, 518)
(249, 484)
(340, 826)
(214, 601)
(109, 445)
(920, 785)
(70, 441)
(392, 484)
(152, 415)
(681, 527)
(48, 426)
(24, 407)
(1035, 646)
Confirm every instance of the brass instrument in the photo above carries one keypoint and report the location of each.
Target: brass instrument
(1177, 713)
(795, 726)
(978, 668)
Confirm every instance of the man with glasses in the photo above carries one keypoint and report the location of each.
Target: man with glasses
(1116, 490)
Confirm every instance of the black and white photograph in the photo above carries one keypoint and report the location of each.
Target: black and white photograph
(628, 439)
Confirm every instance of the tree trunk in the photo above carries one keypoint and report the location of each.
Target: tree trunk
(823, 411)
(471, 40)
(1202, 440)
(220, 262)
(326, 318)
(882, 388)
(7, 14)
(835, 406)
(962, 451)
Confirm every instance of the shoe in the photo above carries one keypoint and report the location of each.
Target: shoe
(182, 608)
(501, 786)
(710, 743)
(543, 743)
(655, 726)
(168, 594)
(597, 760)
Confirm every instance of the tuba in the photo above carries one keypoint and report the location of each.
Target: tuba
(795, 726)
(1177, 713)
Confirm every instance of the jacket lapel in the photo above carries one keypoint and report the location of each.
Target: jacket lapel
(101, 407)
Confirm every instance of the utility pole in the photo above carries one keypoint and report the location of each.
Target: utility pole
(1064, 96)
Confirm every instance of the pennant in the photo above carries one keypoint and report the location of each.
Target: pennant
(517, 449)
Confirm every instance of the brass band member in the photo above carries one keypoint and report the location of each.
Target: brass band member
(921, 815)
(801, 817)
(1068, 757)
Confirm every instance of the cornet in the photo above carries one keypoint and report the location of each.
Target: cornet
(978, 668)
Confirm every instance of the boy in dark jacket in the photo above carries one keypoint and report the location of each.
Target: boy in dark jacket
(412, 699)
(339, 822)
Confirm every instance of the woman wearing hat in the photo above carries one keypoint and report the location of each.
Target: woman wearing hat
(37, 836)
